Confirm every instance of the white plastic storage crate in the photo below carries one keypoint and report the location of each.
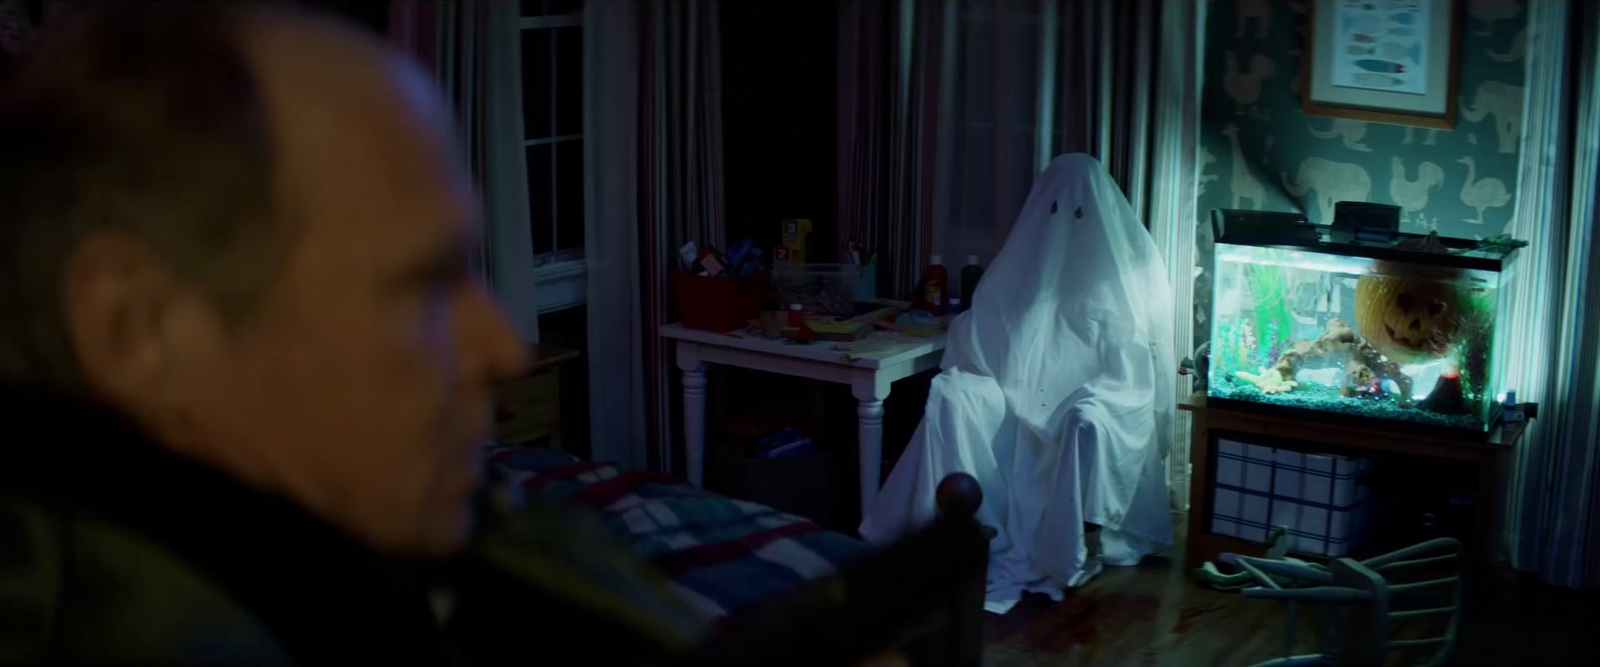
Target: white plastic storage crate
(1324, 501)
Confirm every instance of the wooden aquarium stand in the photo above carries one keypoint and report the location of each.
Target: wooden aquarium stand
(1487, 453)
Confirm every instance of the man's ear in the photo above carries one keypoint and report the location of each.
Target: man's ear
(130, 320)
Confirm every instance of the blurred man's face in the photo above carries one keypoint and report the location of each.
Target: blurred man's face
(361, 388)
(367, 377)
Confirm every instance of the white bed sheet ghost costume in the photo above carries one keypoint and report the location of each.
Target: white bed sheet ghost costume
(1057, 394)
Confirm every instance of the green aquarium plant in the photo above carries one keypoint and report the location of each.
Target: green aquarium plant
(1274, 324)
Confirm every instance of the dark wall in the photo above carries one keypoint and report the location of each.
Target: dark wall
(370, 13)
(778, 119)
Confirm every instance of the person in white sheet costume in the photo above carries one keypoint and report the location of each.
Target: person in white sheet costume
(1057, 394)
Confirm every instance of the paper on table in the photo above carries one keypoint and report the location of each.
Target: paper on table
(878, 345)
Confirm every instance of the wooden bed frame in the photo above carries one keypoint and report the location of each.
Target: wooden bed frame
(922, 595)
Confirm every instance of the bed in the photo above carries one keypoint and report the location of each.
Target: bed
(789, 591)
(723, 554)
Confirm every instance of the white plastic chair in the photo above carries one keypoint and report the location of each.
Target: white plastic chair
(1365, 602)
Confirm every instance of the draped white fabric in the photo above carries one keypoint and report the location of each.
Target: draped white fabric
(949, 110)
(1550, 349)
(1057, 394)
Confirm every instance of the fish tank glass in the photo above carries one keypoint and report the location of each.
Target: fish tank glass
(1400, 331)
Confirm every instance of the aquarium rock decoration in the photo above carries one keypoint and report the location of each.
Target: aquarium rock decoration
(1447, 395)
(1365, 368)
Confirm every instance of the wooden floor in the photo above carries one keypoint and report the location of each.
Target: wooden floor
(1154, 614)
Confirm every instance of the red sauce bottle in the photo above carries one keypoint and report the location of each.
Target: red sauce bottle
(935, 284)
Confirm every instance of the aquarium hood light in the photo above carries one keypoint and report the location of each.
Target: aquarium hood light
(1292, 263)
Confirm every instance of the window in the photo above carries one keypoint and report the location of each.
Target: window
(551, 34)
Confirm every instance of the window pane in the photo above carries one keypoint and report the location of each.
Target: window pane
(536, 84)
(569, 195)
(540, 198)
(535, 7)
(565, 6)
(569, 81)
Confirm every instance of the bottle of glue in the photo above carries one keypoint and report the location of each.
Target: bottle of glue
(797, 320)
(934, 282)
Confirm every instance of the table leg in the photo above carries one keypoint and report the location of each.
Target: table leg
(694, 414)
(869, 436)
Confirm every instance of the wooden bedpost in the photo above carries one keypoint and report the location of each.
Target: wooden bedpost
(923, 593)
(958, 498)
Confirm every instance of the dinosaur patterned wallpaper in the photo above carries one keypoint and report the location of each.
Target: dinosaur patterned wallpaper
(1257, 151)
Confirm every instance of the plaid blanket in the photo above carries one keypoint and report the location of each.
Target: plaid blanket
(721, 553)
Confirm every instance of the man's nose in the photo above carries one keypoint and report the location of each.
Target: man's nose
(506, 354)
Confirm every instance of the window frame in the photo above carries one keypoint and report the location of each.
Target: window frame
(560, 276)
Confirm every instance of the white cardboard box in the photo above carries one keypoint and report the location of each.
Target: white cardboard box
(1324, 501)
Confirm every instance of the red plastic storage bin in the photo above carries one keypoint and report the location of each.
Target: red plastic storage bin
(720, 304)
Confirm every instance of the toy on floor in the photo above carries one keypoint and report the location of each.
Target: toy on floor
(1277, 549)
(1366, 600)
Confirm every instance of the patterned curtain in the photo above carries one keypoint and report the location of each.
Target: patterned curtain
(473, 48)
(879, 179)
(16, 31)
(948, 110)
(654, 179)
(445, 38)
(1551, 346)
(680, 172)
(1172, 196)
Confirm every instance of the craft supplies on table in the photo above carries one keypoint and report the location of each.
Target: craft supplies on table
(718, 303)
(718, 292)
(935, 286)
(821, 289)
(971, 274)
(793, 247)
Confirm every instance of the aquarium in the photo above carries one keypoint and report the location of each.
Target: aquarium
(1400, 331)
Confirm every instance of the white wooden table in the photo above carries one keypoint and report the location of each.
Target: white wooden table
(870, 366)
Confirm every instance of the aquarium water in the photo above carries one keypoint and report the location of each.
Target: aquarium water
(1406, 337)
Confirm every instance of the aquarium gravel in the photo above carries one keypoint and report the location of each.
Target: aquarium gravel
(1320, 397)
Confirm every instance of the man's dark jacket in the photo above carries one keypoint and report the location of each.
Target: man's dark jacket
(113, 550)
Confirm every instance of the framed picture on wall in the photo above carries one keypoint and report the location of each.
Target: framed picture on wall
(1389, 61)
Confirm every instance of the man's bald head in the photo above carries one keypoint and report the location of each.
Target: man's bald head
(245, 227)
(145, 120)
(149, 119)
